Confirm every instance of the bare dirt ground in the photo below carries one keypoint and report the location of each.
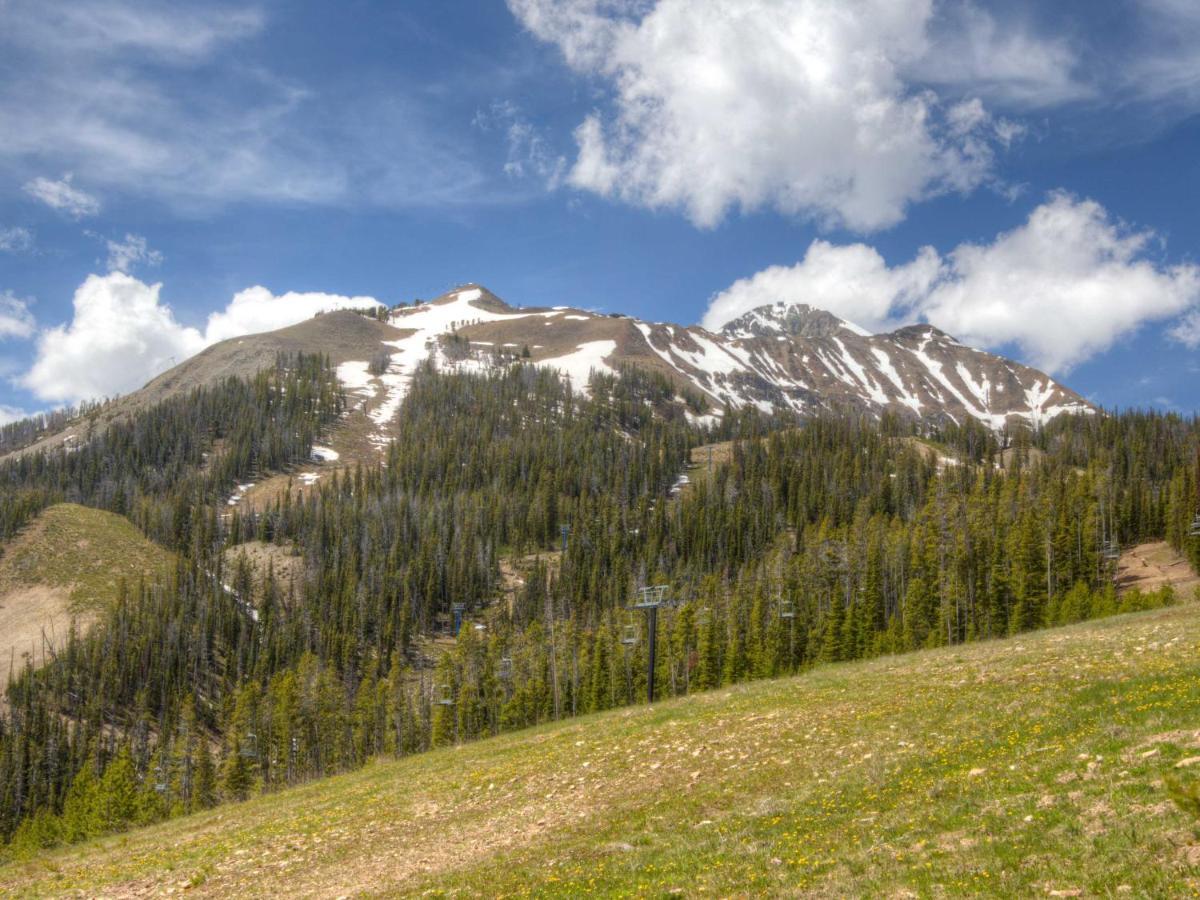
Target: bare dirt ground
(1147, 567)
(67, 563)
(34, 621)
(288, 566)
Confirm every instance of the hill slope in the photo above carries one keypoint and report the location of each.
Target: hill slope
(1019, 767)
(65, 565)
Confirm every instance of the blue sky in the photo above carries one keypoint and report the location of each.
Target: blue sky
(1023, 177)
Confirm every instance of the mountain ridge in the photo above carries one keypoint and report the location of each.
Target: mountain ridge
(779, 357)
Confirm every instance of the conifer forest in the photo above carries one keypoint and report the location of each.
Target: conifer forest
(828, 539)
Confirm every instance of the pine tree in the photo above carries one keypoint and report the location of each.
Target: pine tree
(204, 793)
(116, 795)
(235, 776)
(80, 817)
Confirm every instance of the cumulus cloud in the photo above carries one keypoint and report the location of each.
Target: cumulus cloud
(122, 334)
(16, 321)
(63, 196)
(1061, 287)
(851, 280)
(15, 240)
(124, 255)
(810, 107)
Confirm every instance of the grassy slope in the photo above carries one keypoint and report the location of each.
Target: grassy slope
(66, 564)
(83, 550)
(1018, 767)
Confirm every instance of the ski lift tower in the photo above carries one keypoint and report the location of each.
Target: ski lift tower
(787, 612)
(1194, 530)
(650, 600)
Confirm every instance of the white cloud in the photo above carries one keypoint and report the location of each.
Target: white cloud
(122, 335)
(810, 107)
(1187, 330)
(133, 251)
(1165, 66)
(15, 239)
(177, 34)
(16, 321)
(1062, 287)
(11, 414)
(528, 152)
(63, 196)
(179, 103)
(256, 310)
(852, 280)
(1004, 62)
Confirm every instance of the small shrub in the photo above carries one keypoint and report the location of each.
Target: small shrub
(380, 360)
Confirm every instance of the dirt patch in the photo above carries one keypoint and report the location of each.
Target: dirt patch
(1148, 567)
(515, 572)
(288, 567)
(67, 565)
(34, 623)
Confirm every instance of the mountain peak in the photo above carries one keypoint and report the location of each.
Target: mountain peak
(793, 319)
(923, 331)
(475, 295)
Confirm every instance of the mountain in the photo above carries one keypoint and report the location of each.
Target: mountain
(786, 356)
(781, 357)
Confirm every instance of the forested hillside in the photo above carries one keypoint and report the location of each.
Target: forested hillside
(823, 540)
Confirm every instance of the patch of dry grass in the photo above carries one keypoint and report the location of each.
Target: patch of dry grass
(64, 566)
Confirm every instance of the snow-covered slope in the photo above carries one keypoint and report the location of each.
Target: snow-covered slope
(786, 356)
(806, 359)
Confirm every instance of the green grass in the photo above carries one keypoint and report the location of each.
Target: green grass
(1026, 767)
(83, 550)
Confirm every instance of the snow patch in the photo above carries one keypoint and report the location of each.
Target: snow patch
(240, 493)
(578, 366)
(889, 372)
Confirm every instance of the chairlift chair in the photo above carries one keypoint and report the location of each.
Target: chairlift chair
(1194, 531)
(629, 635)
(787, 609)
(506, 667)
(444, 696)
